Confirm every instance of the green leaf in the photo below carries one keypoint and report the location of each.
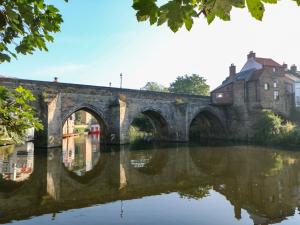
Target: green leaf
(26, 26)
(188, 23)
(256, 8)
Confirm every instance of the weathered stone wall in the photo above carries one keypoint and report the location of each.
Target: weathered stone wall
(114, 108)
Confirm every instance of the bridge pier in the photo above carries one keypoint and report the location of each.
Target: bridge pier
(50, 115)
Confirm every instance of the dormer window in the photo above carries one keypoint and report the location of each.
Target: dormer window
(267, 86)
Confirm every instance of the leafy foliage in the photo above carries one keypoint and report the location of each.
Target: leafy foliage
(193, 84)
(177, 13)
(272, 129)
(26, 25)
(16, 113)
(153, 86)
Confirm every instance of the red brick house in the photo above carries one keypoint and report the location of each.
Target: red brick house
(262, 83)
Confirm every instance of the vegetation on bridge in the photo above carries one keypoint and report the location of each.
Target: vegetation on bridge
(16, 115)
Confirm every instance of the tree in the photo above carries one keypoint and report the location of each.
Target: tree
(16, 113)
(193, 84)
(153, 86)
(177, 13)
(26, 25)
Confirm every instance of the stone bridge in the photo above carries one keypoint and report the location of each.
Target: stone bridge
(115, 109)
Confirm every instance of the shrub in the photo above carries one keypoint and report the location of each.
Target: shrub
(272, 129)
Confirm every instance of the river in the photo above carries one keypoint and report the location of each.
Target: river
(87, 183)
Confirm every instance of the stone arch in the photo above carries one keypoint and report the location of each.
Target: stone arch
(96, 113)
(159, 122)
(213, 119)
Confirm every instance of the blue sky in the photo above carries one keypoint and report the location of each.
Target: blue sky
(101, 39)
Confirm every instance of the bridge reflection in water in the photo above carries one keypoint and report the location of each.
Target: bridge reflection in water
(260, 184)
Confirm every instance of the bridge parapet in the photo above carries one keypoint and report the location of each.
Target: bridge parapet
(114, 108)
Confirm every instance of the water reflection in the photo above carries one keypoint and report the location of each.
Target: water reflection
(81, 153)
(16, 162)
(257, 183)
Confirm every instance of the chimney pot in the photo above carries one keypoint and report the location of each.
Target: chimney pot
(232, 70)
(251, 55)
(285, 66)
(55, 79)
(294, 68)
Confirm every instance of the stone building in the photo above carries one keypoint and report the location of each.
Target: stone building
(69, 126)
(262, 83)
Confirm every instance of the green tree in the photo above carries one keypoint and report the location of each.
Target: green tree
(26, 25)
(193, 84)
(153, 86)
(177, 13)
(16, 113)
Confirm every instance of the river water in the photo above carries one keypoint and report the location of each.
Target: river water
(86, 183)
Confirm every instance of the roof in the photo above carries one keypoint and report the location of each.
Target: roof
(267, 62)
(256, 75)
(244, 75)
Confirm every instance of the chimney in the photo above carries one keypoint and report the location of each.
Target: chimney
(232, 70)
(55, 79)
(294, 68)
(251, 55)
(285, 66)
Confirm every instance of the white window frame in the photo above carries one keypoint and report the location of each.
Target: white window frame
(266, 86)
(276, 95)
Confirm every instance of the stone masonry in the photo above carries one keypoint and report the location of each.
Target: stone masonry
(115, 109)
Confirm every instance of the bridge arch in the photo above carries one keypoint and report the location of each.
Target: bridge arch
(159, 123)
(207, 123)
(95, 112)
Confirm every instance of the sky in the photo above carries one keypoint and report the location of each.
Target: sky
(101, 39)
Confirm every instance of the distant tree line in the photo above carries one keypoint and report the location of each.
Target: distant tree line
(187, 84)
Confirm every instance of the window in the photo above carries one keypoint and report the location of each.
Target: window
(220, 95)
(297, 101)
(266, 86)
(297, 93)
(276, 95)
(275, 84)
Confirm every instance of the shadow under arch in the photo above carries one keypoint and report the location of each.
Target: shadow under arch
(205, 125)
(159, 123)
(96, 113)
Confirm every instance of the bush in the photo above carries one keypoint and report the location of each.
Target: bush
(136, 134)
(272, 129)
